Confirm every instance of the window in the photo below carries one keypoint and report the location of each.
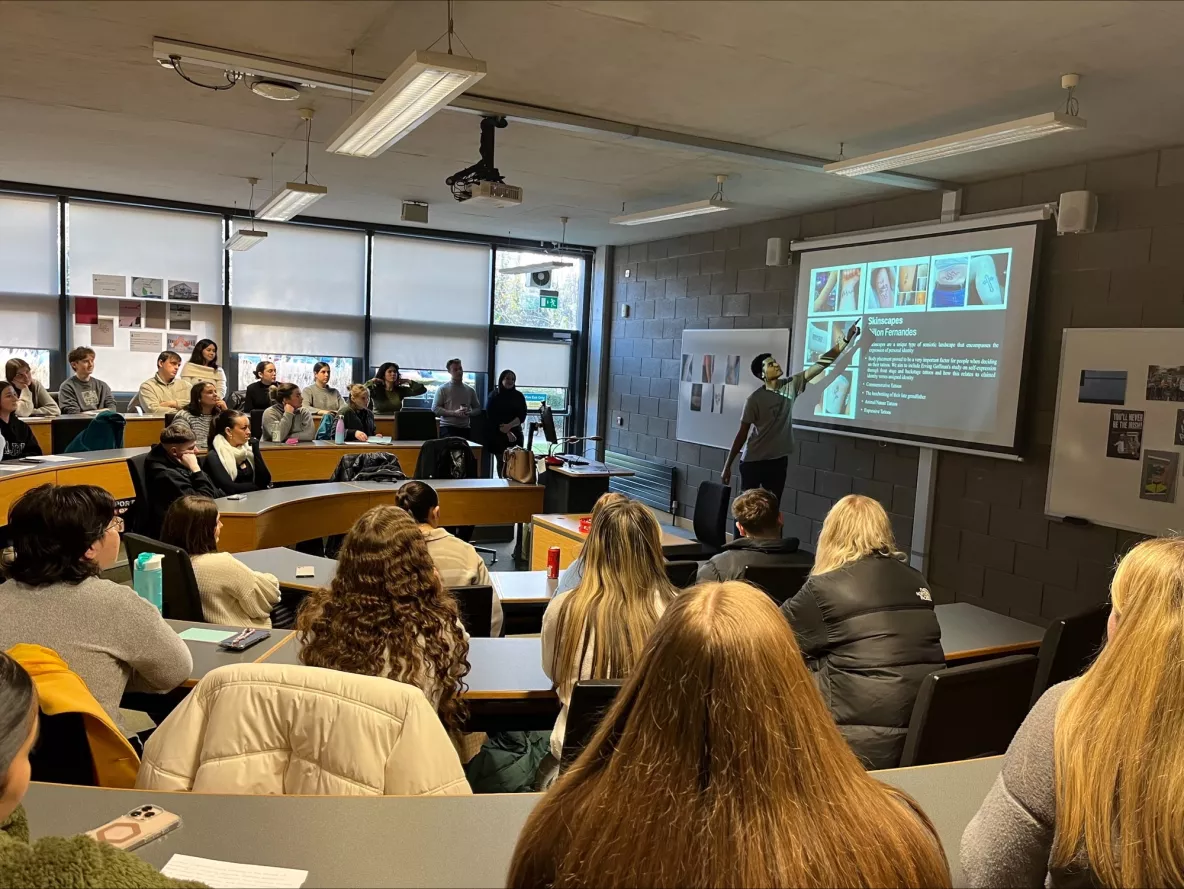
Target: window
(434, 379)
(518, 303)
(298, 368)
(29, 311)
(430, 302)
(142, 281)
(37, 359)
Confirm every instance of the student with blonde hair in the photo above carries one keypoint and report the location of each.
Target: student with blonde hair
(597, 630)
(718, 765)
(1092, 788)
(865, 623)
(357, 416)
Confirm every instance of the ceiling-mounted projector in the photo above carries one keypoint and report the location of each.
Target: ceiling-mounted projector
(482, 182)
(496, 194)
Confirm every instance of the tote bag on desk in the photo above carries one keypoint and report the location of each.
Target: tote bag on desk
(518, 465)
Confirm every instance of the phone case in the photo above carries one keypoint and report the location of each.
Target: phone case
(244, 640)
(139, 826)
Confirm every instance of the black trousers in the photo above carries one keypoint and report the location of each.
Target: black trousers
(767, 474)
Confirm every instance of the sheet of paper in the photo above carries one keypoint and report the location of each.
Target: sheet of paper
(9, 467)
(103, 333)
(228, 875)
(56, 458)
(145, 341)
(201, 634)
(108, 285)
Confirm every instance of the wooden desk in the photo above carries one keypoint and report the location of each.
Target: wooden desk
(968, 631)
(575, 489)
(208, 656)
(107, 469)
(563, 531)
(410, 840)
(139, 430)
(311, 461)
(284, 516)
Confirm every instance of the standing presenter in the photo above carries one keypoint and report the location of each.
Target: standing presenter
(770, 410)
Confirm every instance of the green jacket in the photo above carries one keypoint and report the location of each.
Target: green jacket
(75, 861)
(384, 401)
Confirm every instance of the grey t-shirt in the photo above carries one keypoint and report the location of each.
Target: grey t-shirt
(771, 415)
(451, 396)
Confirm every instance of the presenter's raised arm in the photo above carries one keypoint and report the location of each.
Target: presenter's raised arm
(826, 359)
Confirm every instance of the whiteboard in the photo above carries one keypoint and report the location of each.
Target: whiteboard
(716, 379)
(1084, 482)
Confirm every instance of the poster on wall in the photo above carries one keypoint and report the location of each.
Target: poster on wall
(145, 341)
(186, 291)
(103, 333)
(154, 314)
(1125, 439)
(1158, 480)
(714, 380)
(108, 285)
(86, 310)
(130, 313)
(180, 317)
(181, 343)
(148, 288)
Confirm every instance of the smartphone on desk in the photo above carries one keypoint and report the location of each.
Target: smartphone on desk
(244, 639)
(139, 826)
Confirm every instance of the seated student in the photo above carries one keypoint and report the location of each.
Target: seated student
(19, 440)
(758, 519)
(232, 594)
(165, 392)
(199, 413)
(172, 471)
(63, 536)
(359, 421)
(234, 462)
(84, 392)
(388, 389)
(597, 630)
(259, 392)
(574, 573)
(287, 417)
(202, 367)
(320, 397)
(718, 765)
(386, 613)
(34, 400)
(457, 562)
(865, 622)
(50, 861)
(1089, 790)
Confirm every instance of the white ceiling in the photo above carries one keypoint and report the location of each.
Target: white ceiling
(83, 104)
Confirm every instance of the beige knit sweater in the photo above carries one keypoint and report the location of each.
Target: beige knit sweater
(232, 594)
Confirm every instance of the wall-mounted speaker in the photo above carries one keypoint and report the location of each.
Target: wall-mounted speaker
(777, 251)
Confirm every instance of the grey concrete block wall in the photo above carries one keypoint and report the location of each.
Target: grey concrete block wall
(991, 543)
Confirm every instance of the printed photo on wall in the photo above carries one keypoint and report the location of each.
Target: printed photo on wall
(1125, 438)
(697, 396)
(1160, 469)
(708, 368)
(129, 313)
(1102, 387)
(717, 400)
(182, 343)
(732, 375)
(1165, 383)
(688, 368)
(148, 288)
(184, 290)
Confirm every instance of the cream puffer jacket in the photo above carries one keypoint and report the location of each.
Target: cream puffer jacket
(277, 729)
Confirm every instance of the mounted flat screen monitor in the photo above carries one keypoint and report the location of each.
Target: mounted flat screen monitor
(944, 323)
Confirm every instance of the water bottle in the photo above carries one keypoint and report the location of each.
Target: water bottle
(148, 579)
(339, 433)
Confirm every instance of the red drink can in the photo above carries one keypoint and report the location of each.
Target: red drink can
(553, 563)
(586, 524)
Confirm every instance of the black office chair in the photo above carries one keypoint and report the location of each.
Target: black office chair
(181, 599)
(710, 524)
(780, 582)
(969, 711)
(412, 425)
(63, 430)
(1069, 647)
(476, 608)
(62, 753)
(257, 424)
(682, 574)
(590, 699)
(138, 516)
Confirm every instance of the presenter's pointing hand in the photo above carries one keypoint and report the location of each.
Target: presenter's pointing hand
(853, 332)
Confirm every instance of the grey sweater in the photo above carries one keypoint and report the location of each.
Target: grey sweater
(279, 425)
(327, 399)
(1009, 840)
(451, 396)
(78, 396)
(109, 636)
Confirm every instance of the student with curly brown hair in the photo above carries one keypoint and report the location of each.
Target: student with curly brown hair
(386, 613)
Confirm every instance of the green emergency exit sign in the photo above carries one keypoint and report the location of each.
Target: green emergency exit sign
(549, 301)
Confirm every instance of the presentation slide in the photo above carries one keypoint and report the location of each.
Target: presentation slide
(943, 322)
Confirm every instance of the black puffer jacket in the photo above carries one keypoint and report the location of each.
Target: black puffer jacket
(870, 636)
(759, 551)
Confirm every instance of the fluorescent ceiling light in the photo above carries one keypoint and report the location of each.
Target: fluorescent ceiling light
(678, 211)
(537, 267)
(421, 86)
(960, 143)
(244, 239)
(290, 200)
